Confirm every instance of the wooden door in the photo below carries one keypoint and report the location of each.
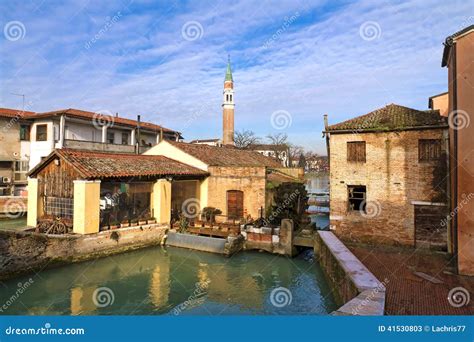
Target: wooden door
(430, 232)
(235, 204)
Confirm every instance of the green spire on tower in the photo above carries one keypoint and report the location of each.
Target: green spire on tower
(228, 73)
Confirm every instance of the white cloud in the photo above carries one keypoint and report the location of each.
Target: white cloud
(142, 65)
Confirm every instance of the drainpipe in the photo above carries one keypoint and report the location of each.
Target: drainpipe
(448, 190)
(455, 155)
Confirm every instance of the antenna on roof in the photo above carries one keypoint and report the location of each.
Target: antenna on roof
(23, 96)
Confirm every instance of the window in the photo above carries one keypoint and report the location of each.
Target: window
(124, 138)
(41, 132)
(429, 149)
(356, 196)
(356, 151)
(21, 168)
(25, 132)
(230, 97)
(110, 137)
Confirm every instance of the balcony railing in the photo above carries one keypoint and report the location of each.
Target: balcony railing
(99, 146)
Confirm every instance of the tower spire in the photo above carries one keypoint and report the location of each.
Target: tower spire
(228, 74)
(228, 107)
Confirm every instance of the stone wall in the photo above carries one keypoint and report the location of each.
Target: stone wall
(393, 177)
(24, 252)
(272, 240)
(250, 180)
(356, 288)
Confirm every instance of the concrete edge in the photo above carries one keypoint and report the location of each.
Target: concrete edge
(196, 242)
(370, 300)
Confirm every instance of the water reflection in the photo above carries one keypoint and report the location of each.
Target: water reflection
(165, 281)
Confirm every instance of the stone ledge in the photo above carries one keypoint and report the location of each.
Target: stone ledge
(338, 262)
(24, 252)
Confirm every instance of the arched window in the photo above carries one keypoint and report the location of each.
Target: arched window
(230, 97)
(227, 97)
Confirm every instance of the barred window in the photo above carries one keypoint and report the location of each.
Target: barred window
(356, 151)
(429, 149)
(59, 207)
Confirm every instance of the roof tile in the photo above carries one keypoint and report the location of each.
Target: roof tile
(225, 155)
(98, 165)
(392, 118)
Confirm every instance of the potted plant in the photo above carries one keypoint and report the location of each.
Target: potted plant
(183, 224)
(209, 214)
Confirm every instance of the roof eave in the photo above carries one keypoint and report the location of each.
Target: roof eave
(357, 131)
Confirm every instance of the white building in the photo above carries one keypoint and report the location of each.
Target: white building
(27, 137)
(278, 152)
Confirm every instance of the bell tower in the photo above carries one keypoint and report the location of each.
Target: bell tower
(228, 107)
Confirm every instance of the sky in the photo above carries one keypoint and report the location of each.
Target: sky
(293, 61)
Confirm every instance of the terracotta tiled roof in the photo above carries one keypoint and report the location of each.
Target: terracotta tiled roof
(91, 115)
(13, 113)
(392, 118)
(267, 147)
(225, 155)
(98, 165)
(203, 140)
(280, 177)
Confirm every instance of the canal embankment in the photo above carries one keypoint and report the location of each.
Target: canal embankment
(23, 252)
(356, 288)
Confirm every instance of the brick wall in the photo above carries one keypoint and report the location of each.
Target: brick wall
(250, 180)
(393, 177)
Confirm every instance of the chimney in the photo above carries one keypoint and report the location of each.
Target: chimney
(138, 135)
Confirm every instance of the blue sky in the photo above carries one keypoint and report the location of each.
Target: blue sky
(166, 60)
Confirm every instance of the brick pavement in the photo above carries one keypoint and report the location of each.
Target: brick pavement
(407, 293)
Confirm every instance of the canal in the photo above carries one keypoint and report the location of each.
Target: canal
(173, 281)
(317, 186)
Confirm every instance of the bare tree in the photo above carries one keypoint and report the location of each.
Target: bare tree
(294, 153)
(243, 139)
(280, 147)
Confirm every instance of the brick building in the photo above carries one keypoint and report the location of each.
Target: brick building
(388, 177)
(237, 181)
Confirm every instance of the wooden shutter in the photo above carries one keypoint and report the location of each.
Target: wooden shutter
(356, 151)
(429, 149)
(235, 204)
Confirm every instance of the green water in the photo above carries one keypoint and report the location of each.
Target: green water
(173, 281)
(13, 224)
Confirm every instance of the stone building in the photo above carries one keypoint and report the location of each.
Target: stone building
(98, 190)
(388, 177)
(458, 57)
(237, 181)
